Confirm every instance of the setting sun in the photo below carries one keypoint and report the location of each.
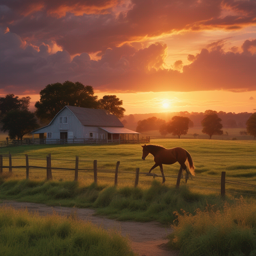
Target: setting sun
(166, 104)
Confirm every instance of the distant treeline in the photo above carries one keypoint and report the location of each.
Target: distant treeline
(229, 119)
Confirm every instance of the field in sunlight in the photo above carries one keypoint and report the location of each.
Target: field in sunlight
(211, 157)
(196, 133)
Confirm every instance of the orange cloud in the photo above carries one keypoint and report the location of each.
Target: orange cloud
(96, 25)
(126, 68)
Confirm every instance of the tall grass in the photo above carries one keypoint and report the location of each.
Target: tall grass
(231, 231)
(125, 203)
(25, 234)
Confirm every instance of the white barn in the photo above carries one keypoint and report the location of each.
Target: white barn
(86, 125)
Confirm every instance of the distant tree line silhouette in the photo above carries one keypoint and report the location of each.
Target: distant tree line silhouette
(211, 125)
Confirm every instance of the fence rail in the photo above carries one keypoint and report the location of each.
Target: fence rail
(31, 141)
(221, 182)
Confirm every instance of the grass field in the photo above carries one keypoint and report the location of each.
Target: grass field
(206, 224)
(228, 134)
(211, 157)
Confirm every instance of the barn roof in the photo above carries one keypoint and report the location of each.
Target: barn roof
(119, 130)
(95, 117)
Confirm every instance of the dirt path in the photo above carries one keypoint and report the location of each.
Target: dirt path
(147, 239)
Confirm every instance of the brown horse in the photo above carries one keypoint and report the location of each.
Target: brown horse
(169, 156)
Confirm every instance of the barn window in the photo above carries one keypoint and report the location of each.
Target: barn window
(63, 120)
(91, 135)
(49, 135)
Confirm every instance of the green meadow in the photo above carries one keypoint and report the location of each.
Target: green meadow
(204, 222)
(211, 157)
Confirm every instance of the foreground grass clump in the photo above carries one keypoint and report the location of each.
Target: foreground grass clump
(231, 231)
(127, 203)
(25, 234)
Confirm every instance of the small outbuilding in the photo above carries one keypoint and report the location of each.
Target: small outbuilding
(86, 125)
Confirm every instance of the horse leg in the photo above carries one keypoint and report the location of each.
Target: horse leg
(186, 175)
(162, 171)
(153, 167)
(183, 166)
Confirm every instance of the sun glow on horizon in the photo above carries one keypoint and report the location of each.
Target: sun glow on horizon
(166, 104)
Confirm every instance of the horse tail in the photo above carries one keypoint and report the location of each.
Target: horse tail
(191, 164)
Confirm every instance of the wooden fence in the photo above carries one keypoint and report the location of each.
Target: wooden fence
(48, 168)
(35, 141)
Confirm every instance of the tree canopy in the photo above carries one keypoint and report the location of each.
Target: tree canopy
(251, 125)
(56, 96)
(212, 124)
(149, 124)
(18, 123)
(11, 102)
(112, 104)
(178, 126)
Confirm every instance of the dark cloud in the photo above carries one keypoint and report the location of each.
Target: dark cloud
(95, 25)
(58, 7)
(114, 29)
(26, 69)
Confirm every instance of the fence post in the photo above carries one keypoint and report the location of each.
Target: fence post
(116, 173)
(178, 178)
(137, 177)
(76, 169)
(95, 170)
(1, 164)
(10, 162)
(27, 168)
(49, 167)
(223, 175)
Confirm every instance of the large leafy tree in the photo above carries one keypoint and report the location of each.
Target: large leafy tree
(56, 96)
(11, 102)
(163, 129)
(178, 126)
(149, 124)
(211, 124)
(251, 125)
(18, 123)
(112, 104)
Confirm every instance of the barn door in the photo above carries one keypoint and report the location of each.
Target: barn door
(63, 137)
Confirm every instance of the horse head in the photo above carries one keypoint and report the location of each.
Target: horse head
(145, 152)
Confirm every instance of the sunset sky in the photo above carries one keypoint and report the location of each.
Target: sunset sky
(155, 55)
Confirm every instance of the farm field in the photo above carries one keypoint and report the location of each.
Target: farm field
(228, 134)
(211, 157)
(197, 205)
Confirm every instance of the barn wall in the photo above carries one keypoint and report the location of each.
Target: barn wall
(73, 127)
